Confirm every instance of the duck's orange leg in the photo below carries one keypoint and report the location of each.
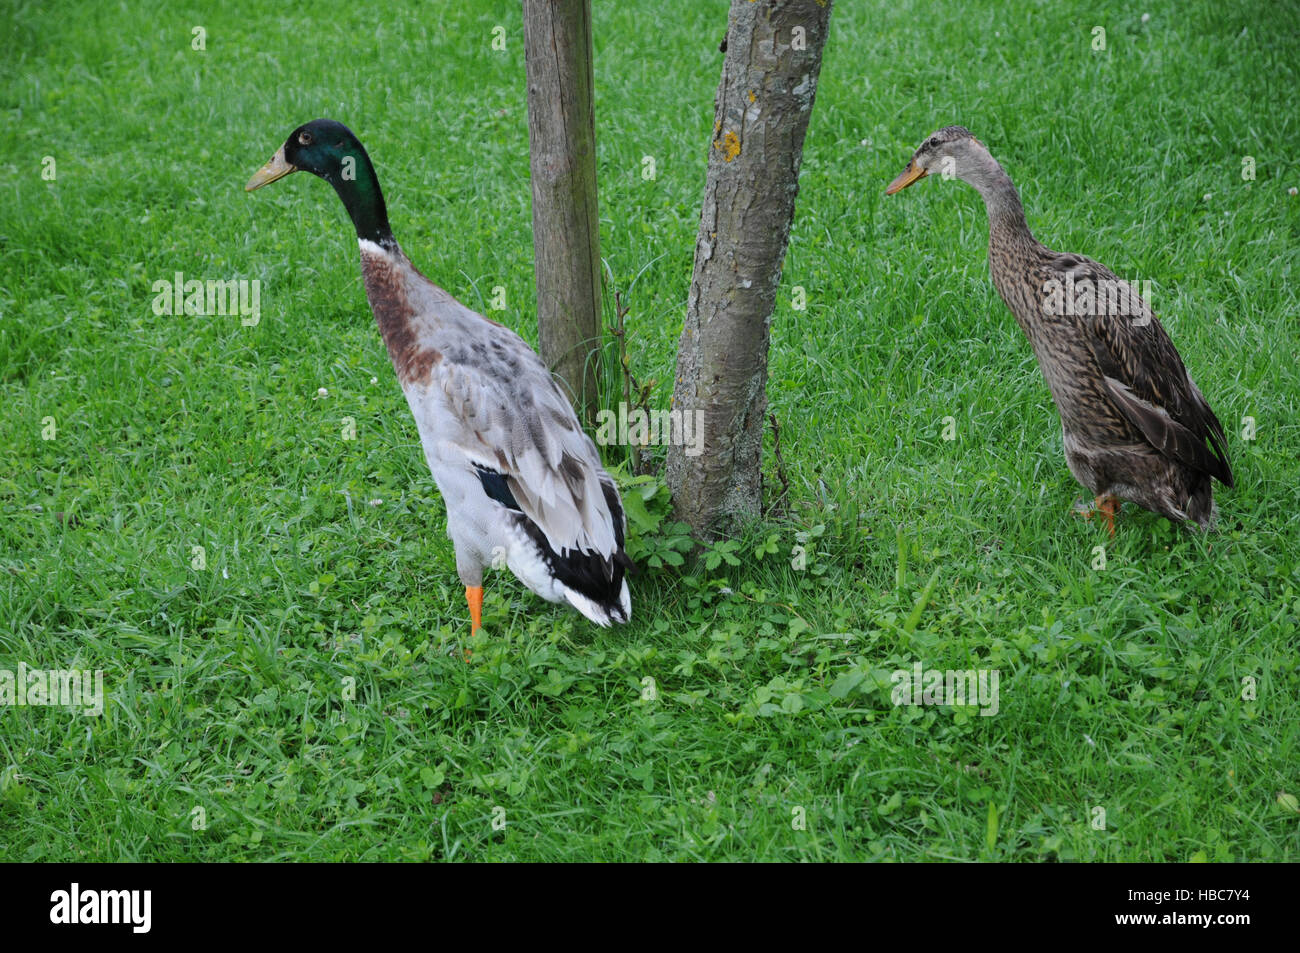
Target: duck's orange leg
(474, 596)
(1108, 506)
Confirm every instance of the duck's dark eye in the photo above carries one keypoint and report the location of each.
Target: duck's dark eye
(304, 138)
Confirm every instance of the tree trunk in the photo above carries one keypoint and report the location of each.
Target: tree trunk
(562, 149)
(764, 100)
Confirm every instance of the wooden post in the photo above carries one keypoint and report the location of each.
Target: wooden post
(562, 150)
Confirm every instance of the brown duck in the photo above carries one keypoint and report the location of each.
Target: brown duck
(1135, 425)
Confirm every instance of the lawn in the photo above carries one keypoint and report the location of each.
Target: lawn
(269, 591)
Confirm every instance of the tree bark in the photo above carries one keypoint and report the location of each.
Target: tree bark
(562, 150)
(764, 101)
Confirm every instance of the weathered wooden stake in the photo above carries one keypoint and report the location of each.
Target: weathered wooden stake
(562, 148)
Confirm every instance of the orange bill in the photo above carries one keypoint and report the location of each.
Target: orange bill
(910, 175)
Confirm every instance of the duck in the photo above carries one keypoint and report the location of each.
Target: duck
(523, 484)
(1135, 425)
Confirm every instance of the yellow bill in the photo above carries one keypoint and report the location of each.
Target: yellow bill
(275, 169)
(910, 175)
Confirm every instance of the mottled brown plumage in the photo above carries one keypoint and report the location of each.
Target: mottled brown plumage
(1135, 425)
(385, 288)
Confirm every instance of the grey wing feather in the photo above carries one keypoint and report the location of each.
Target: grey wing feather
(514, 419)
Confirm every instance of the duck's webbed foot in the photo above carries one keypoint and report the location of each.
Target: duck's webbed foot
(1106, 505)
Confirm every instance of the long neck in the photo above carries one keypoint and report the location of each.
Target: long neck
(364, 201)
(1006, 214)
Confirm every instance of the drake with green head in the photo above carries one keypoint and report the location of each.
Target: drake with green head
(328, 149)
(523, 484)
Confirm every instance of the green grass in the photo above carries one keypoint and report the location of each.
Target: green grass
(1121, 689)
